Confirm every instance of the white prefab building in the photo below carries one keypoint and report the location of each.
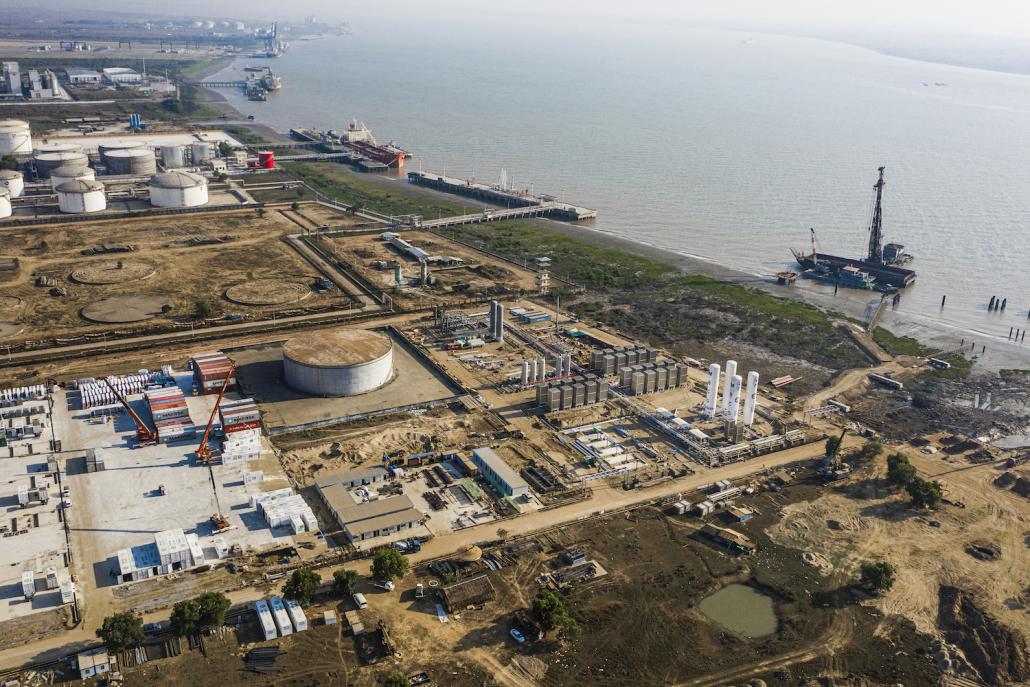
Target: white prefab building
(280, 616)
(173, 549)
(94, 662)
(178, 189)
(81, 196)
(84, 77)
(123, 76)
(297, 617)
(264, 615)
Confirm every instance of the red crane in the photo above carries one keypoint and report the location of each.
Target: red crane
(144, 435)
(204, 452)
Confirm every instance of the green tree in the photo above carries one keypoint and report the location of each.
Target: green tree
(121, 630)
(878, 577)
(924, 494)
(871, 450)
(224, 149)
(213, 607)
(344, 581)
(832, 444)
(388, 564)
(202, 309)
(551, 609)
(8, 162)
(186, 617)
(301, 586)
(396, 680)
(900, 472)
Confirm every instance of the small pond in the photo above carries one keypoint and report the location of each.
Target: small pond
(741, 609)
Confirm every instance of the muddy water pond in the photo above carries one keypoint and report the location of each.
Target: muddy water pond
(742, 610)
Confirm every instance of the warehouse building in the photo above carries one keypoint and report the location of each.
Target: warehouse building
(373, 518)
(352, 478)
(123, 76)
(499, 474)
(84, 77)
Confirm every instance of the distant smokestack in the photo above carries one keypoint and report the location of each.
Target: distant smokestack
(751, 398)
(731, 370)
(712, 399)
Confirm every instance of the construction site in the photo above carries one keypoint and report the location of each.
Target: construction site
(222, 376)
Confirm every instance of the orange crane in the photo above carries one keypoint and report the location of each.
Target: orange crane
(144, 435)
(204, 452)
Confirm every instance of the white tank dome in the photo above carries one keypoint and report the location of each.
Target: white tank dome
(5, 203)
(70, 173)
(81, 196)
(13, 181)
(15, 137)
(178, 189)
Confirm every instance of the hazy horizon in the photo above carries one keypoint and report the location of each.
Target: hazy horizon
(1000, 17)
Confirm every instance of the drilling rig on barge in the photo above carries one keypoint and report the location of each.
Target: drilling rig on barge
(883, 262)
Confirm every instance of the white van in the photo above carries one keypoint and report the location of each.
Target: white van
(360, 602)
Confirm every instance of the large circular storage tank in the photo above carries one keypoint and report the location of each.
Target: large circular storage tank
(48, 162)
(70, 173)
(77, 197)
(15, 137)
(127, 144)
(173, 157)
(137, 162)
(5, 203)
(59, 147)
(13, 181)
(201, 152)
(178, 190)
(339, 363)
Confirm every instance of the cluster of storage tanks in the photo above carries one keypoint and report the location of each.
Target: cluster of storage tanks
(66, 165)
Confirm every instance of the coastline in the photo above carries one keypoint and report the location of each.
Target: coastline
(856, 305)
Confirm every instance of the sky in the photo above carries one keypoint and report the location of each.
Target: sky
(1003, 17)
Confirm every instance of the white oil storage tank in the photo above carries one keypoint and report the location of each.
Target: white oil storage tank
(15, 137)
(173, 157)
(178, 189)
(344, 362)
(57, 147)
(126, 144)
(70, 173)
(48, 161)
(13, 181)
(77, 197)
(137, 162)
(5, 203)
(201, 152)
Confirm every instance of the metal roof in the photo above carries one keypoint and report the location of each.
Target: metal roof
(500, 468)
(404, 517)
(80, 186)
(177, 179)
(340, 348)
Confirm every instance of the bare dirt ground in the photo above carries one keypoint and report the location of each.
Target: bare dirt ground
(478, 275)
(864, 519)
(167, 262)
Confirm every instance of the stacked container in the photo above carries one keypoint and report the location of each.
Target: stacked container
(240, 419)
(210, 371)
(171, 415)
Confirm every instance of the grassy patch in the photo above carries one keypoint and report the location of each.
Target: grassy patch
(346, 187)
(960, 368)
(900, 345)
(244, 135)
(1014, 375)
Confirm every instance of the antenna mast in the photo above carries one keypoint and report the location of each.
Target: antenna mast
(876, 226)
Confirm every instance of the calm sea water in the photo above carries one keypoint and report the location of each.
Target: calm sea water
(717, 144)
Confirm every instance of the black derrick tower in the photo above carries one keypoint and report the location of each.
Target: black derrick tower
(876, 226)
